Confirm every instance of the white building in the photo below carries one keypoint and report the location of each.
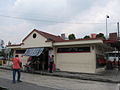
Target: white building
(80, 55)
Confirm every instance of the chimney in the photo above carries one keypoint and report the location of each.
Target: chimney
(93, 35)
(63, 36)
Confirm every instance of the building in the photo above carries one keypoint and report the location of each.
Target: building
(80, 55)
(113, 36)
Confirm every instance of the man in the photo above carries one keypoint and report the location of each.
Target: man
(51, 63)
(16, 68)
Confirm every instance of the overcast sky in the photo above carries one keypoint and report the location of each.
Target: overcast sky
(81, 17)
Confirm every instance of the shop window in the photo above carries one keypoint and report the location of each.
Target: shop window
(73, 49)
(20, 51)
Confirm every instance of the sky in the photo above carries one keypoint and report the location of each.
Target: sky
(80, 17)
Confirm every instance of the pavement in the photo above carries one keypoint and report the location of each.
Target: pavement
(111, 76)
(44, 82)
(6, 83)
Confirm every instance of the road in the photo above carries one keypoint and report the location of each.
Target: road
(39, 82)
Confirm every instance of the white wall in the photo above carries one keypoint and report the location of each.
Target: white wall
(22, 58)
(76, 62)
(39, 41)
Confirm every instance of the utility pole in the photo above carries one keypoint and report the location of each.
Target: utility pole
(118, 29)
(118, 45)
(106, 27)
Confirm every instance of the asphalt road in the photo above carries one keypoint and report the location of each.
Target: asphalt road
(5, 83)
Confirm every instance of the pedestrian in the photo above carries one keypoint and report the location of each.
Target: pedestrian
(16, 68)
(119, 64)
(51, 63)
(114, 63)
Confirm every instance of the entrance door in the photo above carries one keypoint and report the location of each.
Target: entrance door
(43, 59)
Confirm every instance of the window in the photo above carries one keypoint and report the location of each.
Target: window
(34, 35)
(20, 51)
(73, 49)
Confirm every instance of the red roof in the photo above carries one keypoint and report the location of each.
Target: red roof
(110, 41)
(54, 38)
(50, 37)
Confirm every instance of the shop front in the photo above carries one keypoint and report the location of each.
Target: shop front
(38, 58)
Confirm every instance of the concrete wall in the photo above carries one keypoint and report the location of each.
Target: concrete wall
(39, 41)
(76, 62)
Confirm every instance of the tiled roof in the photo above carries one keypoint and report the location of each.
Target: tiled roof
(110, 41)
(50, 37)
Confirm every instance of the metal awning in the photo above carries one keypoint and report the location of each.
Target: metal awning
(33, 51)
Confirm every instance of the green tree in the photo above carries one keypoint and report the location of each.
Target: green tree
(71, 37)
(2, 44)
(86, 37)
(100, 35)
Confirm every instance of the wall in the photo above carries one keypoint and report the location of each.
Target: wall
(39, 41)
(22, 58)
(76, 62)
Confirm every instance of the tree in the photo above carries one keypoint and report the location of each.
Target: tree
(71, 37)
(86, 37)
(116, 45)
(2, 44)
(100, 35)
(9, 43)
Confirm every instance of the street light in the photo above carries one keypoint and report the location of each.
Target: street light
(106, 27)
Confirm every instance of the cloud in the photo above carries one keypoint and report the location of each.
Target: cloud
(93, 20)
(15, 33)
(81, 17)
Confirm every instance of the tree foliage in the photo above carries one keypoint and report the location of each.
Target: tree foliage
(71, 37)
(86, 37)
(2, 44)
(100, 35)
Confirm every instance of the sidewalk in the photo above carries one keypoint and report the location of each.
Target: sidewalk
(111, 76)
(21, 86)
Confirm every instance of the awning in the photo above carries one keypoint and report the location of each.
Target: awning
(33, 52)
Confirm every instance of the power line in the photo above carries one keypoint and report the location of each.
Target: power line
(40, 20)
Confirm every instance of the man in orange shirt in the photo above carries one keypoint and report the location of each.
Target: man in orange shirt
(16, 68)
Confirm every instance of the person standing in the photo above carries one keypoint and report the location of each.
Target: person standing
(51, 64)
(16, 68)
(119, 64)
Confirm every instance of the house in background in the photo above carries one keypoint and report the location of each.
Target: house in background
(80, 55)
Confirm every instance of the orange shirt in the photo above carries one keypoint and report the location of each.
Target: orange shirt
(16, 63)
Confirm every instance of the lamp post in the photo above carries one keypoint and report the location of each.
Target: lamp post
(106, 27)
(118, 46)
(118, 30)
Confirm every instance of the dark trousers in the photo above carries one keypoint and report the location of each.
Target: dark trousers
(14, 74)
(51, 67)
